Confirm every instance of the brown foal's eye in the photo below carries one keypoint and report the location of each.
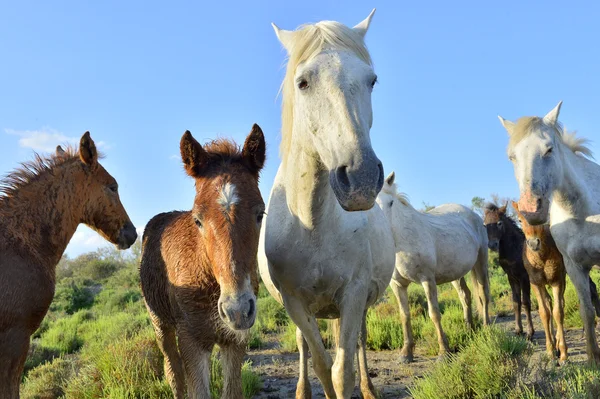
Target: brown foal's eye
(114, 188)
(259, 217)
(198, 223)
(303, 84)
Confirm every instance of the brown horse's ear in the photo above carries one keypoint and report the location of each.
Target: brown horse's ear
(87, 150)
(502, 209)
(515, 206)
(193, 155)
(254, 149)
(59, 151)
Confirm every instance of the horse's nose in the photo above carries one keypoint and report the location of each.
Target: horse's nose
(238, 312)
(534, 244)
(356, 185)
(127, 236)
(493, 245)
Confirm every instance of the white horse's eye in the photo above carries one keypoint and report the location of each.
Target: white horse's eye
(374, 81)
(548, 151)
(303, 84)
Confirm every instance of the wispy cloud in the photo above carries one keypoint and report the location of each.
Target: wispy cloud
(46, 139)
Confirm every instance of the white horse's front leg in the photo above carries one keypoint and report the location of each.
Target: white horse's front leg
(303, 390)
(435, 315)
(580, 279)
(464, 294)
(366, 385)
(351, 313)
(310, 331)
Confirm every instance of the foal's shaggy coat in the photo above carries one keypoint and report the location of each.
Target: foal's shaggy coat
(41, 205)
(198, 269)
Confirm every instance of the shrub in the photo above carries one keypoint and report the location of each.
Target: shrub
(48, 380)
(251, 383)
(487, 367)
(62, 335)
(71, 297)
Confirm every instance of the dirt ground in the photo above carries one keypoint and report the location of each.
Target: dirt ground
(279, 370)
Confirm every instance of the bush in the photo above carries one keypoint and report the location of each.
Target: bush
(487, 367)
(48, 380)
(251, 383)
(62, 335)
(71, 297)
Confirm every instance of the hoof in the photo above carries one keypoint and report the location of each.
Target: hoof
(529, 337)
(405, 359)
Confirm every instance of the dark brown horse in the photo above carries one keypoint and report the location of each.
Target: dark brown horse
(41, 205)
(545, 266)
(199, 269)
(507, 238)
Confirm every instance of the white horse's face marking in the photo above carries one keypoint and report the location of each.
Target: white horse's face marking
(537, 164)
(332, 113)
(333, 98)
(228, 196)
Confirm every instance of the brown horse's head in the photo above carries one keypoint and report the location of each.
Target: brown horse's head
(492, 219)
(534, 235)
(228, 211)
(103, 210)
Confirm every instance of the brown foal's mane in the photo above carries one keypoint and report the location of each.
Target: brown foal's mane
(30, 171)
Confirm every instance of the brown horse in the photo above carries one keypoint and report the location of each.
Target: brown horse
(507, 238)
(41, 205)
(199, 270)
(545, 266)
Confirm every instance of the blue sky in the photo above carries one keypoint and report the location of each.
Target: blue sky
(137, 74)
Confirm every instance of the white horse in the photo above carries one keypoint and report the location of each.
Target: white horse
(317, 256)
(557, 182)
(433, 248)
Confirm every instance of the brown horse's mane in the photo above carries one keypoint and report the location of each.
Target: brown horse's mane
(225, 149)
(30, 171)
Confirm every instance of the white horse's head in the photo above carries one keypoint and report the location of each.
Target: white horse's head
(327, 106)
(535, 148)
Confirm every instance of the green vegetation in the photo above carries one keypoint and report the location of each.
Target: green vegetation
(97, 341)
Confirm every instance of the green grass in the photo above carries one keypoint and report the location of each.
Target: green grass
(486, 367)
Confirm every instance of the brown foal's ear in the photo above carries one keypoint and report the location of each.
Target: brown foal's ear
(254, 150)
(87, 150)
(194, 157)
(59, 151)
(515, 206)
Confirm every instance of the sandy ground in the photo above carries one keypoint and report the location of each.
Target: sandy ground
(279, 370)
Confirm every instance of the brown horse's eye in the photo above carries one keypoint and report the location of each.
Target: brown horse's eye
(303, 84)
(198, 223)
(114, 188)
(259, 217)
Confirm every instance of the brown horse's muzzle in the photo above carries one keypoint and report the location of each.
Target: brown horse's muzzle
(127, 236)
(534, 208)
(238, 311)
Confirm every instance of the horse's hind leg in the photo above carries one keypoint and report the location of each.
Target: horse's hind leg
(464, 294)
(481, 284)
(580, 279)
(434, 312)
(544, 309)
(366, 385)
(526, 289)
(559, 316)
(595, 298)
(167, 343)
(232, 357)
(400, 289)
(515, 287)
(303, 390)
(14, 344)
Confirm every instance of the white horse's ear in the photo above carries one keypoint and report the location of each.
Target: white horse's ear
(363, 26)
(390, 179)
(508, 125)
(552, 117)
(286, 37)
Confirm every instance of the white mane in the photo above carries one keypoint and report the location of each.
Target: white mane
(309, 41)
(392, 189)
(527, 124)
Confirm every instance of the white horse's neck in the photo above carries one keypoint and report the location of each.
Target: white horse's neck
(576, 197)
(306, 181)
